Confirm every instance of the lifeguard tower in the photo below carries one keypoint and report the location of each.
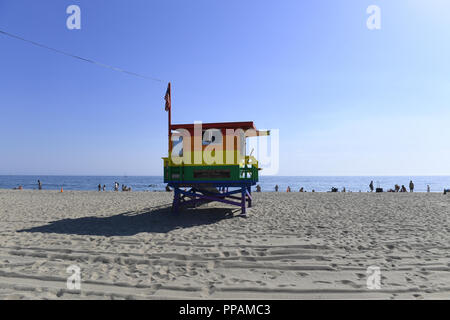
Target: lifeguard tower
(207, 162)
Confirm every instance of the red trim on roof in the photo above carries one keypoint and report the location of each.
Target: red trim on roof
(217, 125)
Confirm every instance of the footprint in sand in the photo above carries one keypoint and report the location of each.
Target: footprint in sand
(321, 281)
(349, 283)
(302, 274)
(234, 280)
(245, 253)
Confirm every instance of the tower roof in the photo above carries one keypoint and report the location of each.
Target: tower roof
(244, 125)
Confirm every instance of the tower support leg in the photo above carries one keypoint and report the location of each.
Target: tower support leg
(249, 194)
(243, 198)
(176, 200)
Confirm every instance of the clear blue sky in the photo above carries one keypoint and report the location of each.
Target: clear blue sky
(347, 100)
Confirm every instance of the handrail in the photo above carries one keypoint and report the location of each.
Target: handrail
(251, 160)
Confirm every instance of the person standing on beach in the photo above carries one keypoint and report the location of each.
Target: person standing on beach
(104, 187)
(411, 186)
(276, 188)
(99, 187)
(39, 184)
(371, 186)
(428, 188)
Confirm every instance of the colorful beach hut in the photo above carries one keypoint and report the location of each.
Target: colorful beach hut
(208, 162)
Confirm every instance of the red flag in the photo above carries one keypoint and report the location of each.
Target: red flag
(167, 98)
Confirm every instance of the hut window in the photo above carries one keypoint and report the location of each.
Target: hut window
(212, 136)
(177, 146)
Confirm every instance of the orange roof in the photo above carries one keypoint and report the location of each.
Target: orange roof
(245, 125)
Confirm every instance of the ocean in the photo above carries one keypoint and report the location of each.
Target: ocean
(267, 183)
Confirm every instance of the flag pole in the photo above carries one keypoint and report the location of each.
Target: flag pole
(170, 117)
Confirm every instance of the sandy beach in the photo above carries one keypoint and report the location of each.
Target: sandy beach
(291, 246)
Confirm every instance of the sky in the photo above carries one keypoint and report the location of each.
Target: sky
(346, 100)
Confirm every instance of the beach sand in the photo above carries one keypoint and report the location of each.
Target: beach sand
(291, 246)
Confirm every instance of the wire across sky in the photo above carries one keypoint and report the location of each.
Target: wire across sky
(80, 58)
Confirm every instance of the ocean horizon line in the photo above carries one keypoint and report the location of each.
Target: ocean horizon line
(261, 176)
(307, 183)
